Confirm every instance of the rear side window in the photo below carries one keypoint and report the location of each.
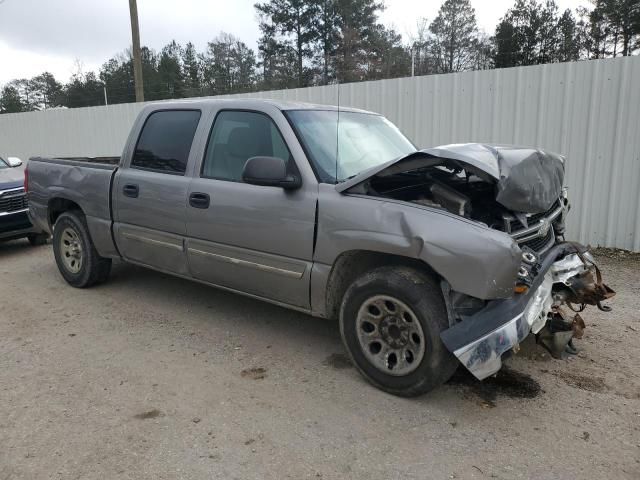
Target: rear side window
(237, 136)
(165, 141)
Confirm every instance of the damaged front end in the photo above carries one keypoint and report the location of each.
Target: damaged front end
(515, 190)
(518, 191)
(565, 277)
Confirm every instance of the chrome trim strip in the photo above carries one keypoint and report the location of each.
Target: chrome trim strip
(152, 241)
(483, 357)
(246, 263)
(12, 190)
(4, 214)
(465, 348)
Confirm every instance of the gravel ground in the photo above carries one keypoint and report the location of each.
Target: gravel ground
(150, 376)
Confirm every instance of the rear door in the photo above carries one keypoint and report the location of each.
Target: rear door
(255, 239)
(150, 192)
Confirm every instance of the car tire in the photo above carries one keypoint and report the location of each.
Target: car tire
(76, 256)
(38, 239)
(390, 322)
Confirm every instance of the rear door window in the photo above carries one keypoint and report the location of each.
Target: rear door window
(165, 141)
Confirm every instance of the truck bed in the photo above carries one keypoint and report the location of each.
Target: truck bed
(92, 162)
(85, 181)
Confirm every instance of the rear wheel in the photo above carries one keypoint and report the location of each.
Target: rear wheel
(76, 256)
(390, 321)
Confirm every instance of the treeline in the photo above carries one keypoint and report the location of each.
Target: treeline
(318, 42)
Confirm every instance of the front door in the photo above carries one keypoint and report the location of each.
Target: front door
(150, 193)
(255, 239)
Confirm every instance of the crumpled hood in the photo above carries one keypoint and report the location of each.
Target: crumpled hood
(11, 177)
(528, 180)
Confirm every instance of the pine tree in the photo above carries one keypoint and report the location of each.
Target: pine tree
(507, 48)
(327, 34)
(548, 32)
(84, 91)
(11, 101)
(170, 73)
(154, 89)
(387, 57)
(191, 71)
(532, 33)
(569, 40)
(45, 91)
(622, 18)
(278, 61)
(357, 22)
(117, 76)
(294, 21)
(228, 65)
(454, 36)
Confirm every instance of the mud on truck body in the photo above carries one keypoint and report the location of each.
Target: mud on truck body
(428, 258)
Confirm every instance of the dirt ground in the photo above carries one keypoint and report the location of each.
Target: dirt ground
(154, 377)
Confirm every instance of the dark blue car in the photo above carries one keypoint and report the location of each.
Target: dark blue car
(14, 222)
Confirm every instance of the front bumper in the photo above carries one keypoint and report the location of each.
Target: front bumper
(15, 225)
(480, 340)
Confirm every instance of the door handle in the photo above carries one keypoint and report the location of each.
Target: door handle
(199, 200)
(131, 190)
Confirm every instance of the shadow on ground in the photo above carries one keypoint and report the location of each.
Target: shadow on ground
(19, 246)
(268, 320)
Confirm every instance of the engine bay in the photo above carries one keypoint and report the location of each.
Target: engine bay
(448, 187)
(516, 190)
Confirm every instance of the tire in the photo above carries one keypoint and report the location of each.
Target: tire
(76, 256)
(38, 239)
(410, 331)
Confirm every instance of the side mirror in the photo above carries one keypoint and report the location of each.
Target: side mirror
(270, 172)
(14, 161)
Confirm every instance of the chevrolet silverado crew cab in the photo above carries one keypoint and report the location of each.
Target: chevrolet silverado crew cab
(428, 258)
(14, 221)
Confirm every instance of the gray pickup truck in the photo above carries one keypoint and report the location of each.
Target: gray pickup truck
(428, 258)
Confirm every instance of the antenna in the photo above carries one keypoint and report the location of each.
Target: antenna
(337, 126)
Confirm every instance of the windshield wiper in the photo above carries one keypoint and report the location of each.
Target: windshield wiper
(348, 178)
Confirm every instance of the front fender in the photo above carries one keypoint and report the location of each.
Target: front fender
(475, 260)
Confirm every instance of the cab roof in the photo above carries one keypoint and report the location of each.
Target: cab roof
(249, 102)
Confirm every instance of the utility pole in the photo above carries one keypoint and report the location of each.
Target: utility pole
(104, 88)
(137, 60)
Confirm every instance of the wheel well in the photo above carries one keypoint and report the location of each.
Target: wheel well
(352, 264)
(57, 206)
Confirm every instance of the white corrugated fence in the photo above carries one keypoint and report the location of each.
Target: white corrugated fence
(588, 111)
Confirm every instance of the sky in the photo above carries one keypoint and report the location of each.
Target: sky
(65, 36)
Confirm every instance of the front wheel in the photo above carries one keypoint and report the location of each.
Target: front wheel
(390, 321)
(76, 256)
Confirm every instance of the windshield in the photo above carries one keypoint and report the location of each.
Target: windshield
(359, 141)
(3, 164)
